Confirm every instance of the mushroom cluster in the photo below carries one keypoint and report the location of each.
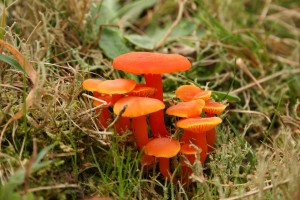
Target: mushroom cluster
(132, 102)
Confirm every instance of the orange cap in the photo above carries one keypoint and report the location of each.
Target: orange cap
(138, 106)
(191, 92)
(187, 109)
(151, 63)
(142, 90)
(91, 84)
(116, 86)
(198, 124)
(188, 149)
(162, 147)
(212, 107)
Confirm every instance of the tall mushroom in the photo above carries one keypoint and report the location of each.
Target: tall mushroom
(152, 65)
(163, 149)
(137, 109)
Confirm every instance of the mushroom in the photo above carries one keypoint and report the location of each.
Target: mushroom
(187, 109)
(152, 65)
(163, 149)
(191, 92)
(104, 114)
(196, 128)
(190, 153)
(212, 108)
(117, 88)
(137, 109)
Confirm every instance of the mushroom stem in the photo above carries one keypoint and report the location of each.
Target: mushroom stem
(210, 136)
(140, 131)
(122, 125)
(164, 168)
(199, 139)
(157, 121)
(104, 117)
(186, 170)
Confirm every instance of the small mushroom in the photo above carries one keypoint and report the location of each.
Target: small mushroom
(137, 109)
(104, 114)
(190, 153)
(196, 129)
(187, 109)
(211, 109)
(152, 65)
(163, 149)
(191, 92)
(117, 88)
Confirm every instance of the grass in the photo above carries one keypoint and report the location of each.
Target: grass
(246, 51)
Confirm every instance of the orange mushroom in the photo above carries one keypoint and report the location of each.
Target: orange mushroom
(152, 65)
(187, 109)
(137, 109)
(191, 92)
(163, 149)
(117, 88)
(104, 114)
(196, 129)
(212, 108)
(190, 153)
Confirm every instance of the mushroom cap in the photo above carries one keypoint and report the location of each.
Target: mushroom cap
(188, 149)
(91, 84)
(191, 92)
(138, 106)
(198, 124)
(151, 63)
(212, 107)
(162, 147)
(116, 86)
(187, 109)
(142, 90)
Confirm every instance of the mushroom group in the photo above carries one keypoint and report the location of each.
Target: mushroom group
(134, 102)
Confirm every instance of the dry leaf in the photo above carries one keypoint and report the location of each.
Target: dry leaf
(31, 73)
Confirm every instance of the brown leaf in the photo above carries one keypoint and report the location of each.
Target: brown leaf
(31, 73)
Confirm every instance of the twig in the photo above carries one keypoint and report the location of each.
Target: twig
(91, 110)
(94, 98)
(97, 132)
(175, 23)
(53, 187)
(117, 118)
(265, 10)
(240, 63)
(296, 71)
(250, 112)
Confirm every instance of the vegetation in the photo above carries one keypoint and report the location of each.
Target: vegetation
(50, 144)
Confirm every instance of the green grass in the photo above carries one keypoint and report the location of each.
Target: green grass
(257, 150)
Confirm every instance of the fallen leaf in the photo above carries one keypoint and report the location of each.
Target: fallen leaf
(31, 73)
